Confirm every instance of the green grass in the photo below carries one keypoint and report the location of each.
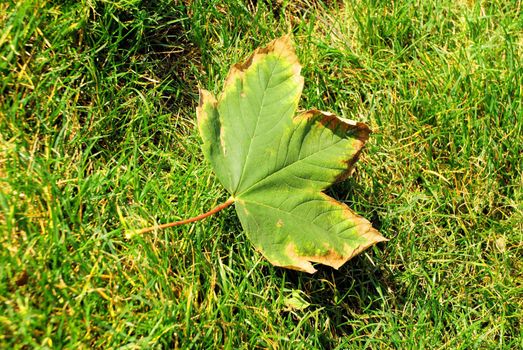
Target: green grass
(97, 121)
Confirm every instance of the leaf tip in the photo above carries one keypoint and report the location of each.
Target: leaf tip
(369, 234)
(205, 97)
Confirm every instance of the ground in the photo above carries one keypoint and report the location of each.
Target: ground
(98, 136)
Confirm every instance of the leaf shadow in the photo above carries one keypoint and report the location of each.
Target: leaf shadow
(345, 297)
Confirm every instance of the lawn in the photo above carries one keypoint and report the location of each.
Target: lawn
(98, 136)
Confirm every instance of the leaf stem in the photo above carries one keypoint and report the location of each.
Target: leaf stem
(187, 221)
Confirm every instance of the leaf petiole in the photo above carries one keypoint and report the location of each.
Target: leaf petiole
(187, 221)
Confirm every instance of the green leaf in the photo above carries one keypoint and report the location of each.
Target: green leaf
(295, 301)
(276, 165)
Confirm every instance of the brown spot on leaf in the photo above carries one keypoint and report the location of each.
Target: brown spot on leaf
(300, 264)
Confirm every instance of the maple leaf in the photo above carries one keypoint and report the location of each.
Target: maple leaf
(275, 165)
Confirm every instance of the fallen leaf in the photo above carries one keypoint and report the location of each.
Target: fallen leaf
(276, 164)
